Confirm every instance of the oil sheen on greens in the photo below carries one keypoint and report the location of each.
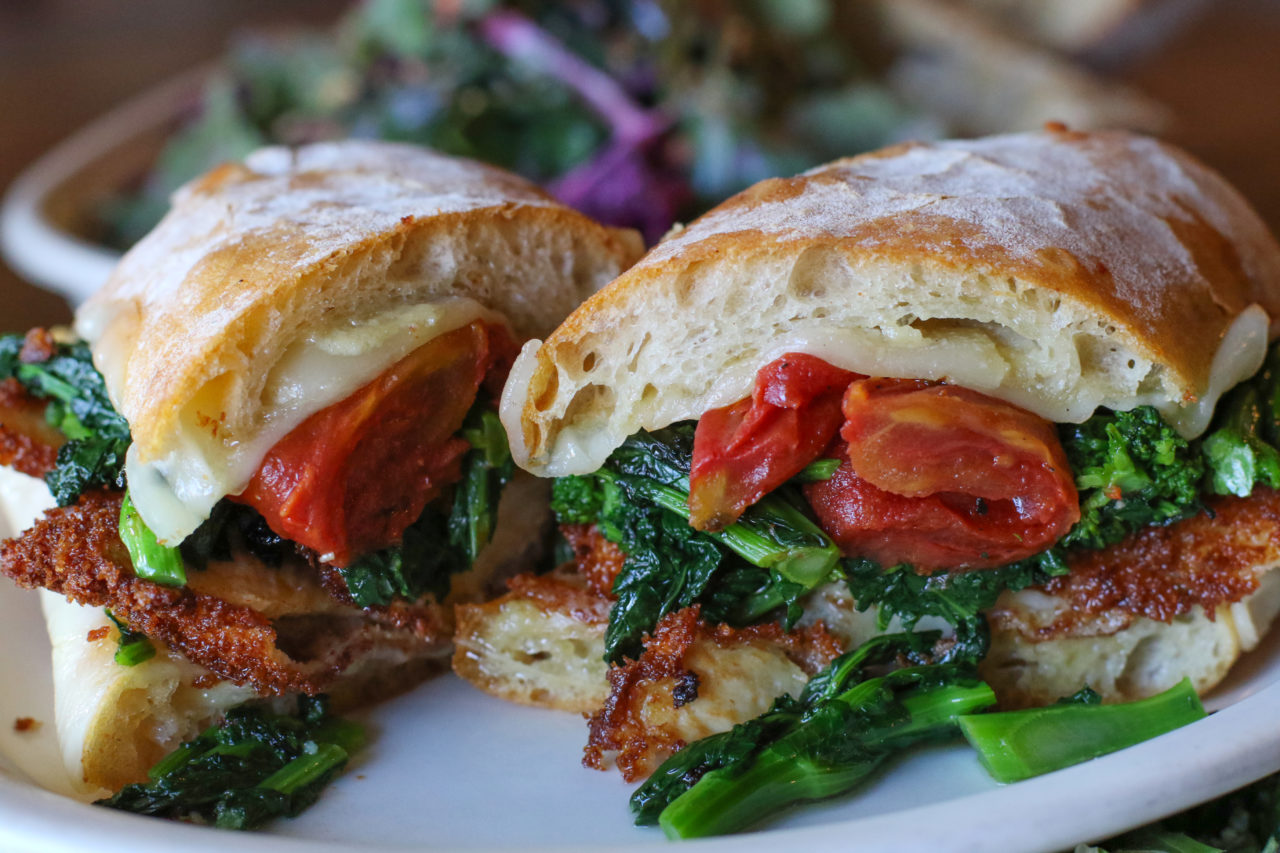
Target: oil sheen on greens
(756, 567)
(97, 436)
(254, 766)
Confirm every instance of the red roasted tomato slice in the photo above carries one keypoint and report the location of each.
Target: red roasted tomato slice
(353, 476)
(744, 451)
(942, 477)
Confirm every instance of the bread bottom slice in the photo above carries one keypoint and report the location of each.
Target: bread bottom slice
(1140, 660)
(113, 721)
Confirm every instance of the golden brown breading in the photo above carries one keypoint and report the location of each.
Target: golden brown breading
(27, 442)
(597, 559)
(1210, 559)
(300, 639)
(694, 680)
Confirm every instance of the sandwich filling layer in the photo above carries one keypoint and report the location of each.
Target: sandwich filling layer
(202, 464)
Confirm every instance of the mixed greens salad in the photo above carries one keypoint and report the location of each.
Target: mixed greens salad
(638, 112)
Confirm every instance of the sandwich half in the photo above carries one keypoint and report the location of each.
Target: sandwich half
(1019, 386)
(284, 464)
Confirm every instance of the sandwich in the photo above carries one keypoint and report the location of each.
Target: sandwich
(1018, 388)
(273, 441)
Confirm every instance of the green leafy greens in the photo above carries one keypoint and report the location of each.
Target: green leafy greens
(1015, 745)
(134, 647)
(97, 436)
(151, 560)
(253, 767)
(1241, 446)
(765, 561)
(848, 721)
(231, 524)
(1132, 469)
(486, 471)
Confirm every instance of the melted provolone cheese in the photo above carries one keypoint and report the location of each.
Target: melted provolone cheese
(1239, 356)
(175, 492)
(970, 358)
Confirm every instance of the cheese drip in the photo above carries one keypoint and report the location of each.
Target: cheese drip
(175, 492)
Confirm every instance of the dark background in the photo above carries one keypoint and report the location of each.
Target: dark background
(65, 62)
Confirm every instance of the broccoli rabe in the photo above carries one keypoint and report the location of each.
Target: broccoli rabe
(639, 500)
(1237, 450)
(848, 721)
(486, 470)
(133, 647)
(151, 560)
(231, 525)
(253, 767)
(1132, 469)
(97, 436)
(1016, 745)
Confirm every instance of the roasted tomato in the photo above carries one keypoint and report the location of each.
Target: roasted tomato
(744, 451)
(353, 476)
(942, 477)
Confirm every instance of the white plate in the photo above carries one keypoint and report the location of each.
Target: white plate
(451, 768)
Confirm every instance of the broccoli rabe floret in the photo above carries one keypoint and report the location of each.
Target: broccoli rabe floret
(1132, 469)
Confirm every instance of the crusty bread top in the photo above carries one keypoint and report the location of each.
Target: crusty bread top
(1058, 270)
(253, 258)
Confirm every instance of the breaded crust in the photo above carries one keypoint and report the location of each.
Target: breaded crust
(1211, 559)
(27, 442)
(76, 551)
(1180, 601)
(694, 680)
(1060, 271)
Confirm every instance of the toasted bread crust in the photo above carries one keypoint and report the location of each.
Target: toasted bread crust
(252, 257)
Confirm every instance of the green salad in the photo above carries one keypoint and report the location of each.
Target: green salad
(637, 112)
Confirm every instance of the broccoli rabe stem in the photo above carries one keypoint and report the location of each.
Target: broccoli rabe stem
(805, 765)
(134, 647)
(845, 723)
(721, 803)
(151, 560)
(487, 469)
(305, 769)
(807, 560)
(1015, 745)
